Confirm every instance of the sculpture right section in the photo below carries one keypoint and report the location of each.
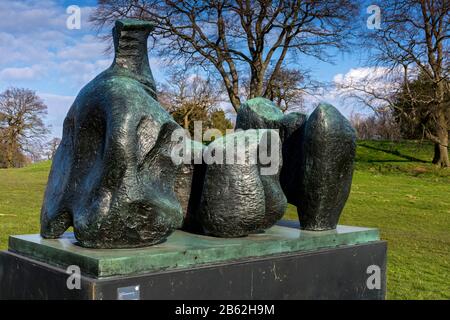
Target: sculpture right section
(318, 154)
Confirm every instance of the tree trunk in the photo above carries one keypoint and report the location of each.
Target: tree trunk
(257, 80)
(235, 101)
(9, 157)
(442, 127)
(437, 153)
(186, 122)
(441, 149)
(11, 150)
(234, 97)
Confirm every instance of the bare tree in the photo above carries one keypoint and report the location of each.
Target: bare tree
(51, 147)
(21, 122)
(191, 98)
(288, 87)
(414, 36)
(239, 37)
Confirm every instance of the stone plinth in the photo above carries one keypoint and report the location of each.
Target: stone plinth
(284, 262)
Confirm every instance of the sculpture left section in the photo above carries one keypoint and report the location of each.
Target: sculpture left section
(112, 177)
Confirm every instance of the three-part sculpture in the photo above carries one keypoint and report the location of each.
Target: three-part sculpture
(114, 180)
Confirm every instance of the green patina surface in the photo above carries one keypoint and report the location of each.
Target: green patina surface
(134, 23)
(183, 249)
(264, 108)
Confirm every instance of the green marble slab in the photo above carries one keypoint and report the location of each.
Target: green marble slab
(183, 250)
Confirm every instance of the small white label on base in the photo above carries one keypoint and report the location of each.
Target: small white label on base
(129, 293)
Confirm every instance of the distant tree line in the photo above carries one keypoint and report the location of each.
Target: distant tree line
(379, 126)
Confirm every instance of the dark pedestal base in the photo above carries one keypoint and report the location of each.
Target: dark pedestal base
(336, 273)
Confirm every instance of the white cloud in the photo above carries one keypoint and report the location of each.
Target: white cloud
(89, 46)
(26, 73)
(373, 78)
(360, 88)
(35, 32)
(30, 16)
(339, 92)
(78, 73)
(26, 49)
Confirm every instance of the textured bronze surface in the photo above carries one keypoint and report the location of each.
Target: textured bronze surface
(239, 199)
(112, 177)
(318, 154)
(328, 152)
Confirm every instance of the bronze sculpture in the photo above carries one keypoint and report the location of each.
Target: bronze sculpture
(114, 180)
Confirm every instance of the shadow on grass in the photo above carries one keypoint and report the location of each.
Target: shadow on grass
(386, 161)
(393, 152)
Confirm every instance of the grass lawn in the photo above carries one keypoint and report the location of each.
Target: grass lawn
(21, 193)
(394, 189)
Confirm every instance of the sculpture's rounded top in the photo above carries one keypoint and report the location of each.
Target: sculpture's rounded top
(326, 109)
(134, 24)
(264, 108)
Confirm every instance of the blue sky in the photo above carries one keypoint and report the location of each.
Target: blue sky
(38, 51)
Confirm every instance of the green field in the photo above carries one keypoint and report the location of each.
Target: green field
(395, 189)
